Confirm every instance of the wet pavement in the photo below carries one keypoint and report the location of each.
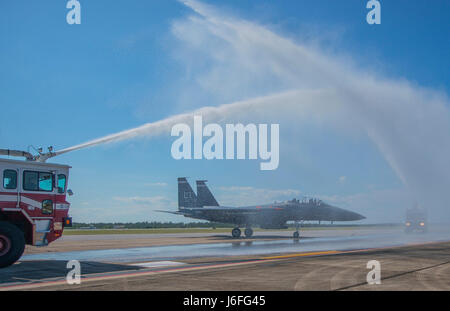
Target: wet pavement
(242, 247)
(116, 267)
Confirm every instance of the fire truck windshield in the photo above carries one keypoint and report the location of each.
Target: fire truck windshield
(37, 181)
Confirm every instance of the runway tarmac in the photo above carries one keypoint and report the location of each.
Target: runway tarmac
(330, 254)
(239, 248)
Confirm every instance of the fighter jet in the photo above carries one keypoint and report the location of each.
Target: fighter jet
(204, 206)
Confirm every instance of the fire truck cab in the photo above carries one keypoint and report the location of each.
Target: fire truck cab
(33, 206)
(416, 220)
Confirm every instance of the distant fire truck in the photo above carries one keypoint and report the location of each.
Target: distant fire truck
(416, 220)
(33, 206)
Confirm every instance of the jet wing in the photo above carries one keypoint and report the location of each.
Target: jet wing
(170, 212)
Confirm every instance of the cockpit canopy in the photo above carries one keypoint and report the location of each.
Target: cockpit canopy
(307, 200)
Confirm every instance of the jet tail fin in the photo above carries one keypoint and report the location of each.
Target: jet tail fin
(186, 196)
(204, 195)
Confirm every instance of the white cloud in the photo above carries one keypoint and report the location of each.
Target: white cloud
(156, 200)
(126, 209)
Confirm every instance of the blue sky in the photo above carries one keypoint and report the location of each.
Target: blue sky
(133, 62)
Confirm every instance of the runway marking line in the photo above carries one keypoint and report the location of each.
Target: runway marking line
(395, 275)
(304, 254)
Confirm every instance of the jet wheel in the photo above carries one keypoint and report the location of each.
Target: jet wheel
(296, 235)
(248, 232)
(236, 233)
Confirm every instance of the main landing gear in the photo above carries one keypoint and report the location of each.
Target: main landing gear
(236, 232)
(248, 232)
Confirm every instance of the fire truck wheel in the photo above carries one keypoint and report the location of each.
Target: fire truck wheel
(12, 244)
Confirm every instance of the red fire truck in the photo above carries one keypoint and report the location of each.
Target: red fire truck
(33, 206)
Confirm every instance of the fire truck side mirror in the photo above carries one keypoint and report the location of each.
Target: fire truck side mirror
(70, 192)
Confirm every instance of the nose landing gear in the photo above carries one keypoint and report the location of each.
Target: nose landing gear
(296, 234)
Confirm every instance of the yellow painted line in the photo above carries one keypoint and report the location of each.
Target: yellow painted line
(304, 254)
(350, 251)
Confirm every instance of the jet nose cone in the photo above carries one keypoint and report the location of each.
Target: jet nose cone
(352, 216)
(346, 215)
(357, 216)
